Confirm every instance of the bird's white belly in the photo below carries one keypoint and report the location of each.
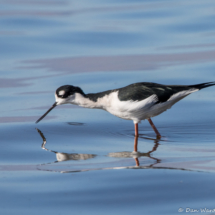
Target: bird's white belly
(130, 110)
(127, 110)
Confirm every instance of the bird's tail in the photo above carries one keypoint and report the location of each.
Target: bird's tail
(203, 85)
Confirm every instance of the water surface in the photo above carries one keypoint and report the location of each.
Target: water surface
(80, 160)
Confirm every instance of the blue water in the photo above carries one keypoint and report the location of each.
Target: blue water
(81, 161)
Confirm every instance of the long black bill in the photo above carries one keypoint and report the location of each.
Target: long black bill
(54, 105)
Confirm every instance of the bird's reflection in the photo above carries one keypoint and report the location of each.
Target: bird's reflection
(135, 154)
(61, 156)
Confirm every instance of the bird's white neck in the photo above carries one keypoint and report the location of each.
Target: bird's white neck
(83, 101)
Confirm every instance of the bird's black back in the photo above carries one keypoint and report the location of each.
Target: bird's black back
(143, 90)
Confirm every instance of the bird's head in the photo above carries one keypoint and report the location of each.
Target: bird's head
(64, 95)
(67, 94)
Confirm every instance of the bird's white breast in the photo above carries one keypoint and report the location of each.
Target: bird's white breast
(131, 110)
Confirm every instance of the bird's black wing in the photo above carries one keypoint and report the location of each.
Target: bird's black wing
(141, 91)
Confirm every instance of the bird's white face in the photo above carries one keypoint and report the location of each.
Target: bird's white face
(61, 100)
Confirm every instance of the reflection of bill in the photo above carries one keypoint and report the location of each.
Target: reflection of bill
(65, 156)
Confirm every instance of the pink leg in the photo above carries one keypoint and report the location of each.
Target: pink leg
(136, 137)
(135, 143)
(136, 129)
(154, 128)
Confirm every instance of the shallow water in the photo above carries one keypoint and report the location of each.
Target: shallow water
(79, 160)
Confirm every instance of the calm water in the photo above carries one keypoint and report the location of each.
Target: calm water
(80, 161)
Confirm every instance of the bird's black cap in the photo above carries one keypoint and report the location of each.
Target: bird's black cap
(68, 90)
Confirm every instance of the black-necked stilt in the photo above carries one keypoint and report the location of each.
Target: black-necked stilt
(135, 102)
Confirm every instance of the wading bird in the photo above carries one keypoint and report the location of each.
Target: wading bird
(135, 102)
